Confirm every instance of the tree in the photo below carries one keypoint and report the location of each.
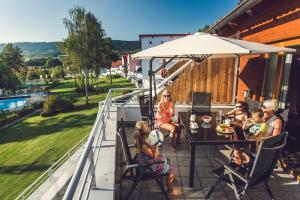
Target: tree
(12, 56)
(204, 28)
(83, 42)
(8, 80)
(52, 62)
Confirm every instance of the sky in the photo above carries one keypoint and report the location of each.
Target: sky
(42, 20)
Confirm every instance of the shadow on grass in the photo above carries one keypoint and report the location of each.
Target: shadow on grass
(51, 125)
(22, 169)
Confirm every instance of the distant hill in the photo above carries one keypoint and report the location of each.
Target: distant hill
(45, 49)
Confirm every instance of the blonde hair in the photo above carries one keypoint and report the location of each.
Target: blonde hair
(140, 135)
(166, 92)
(271, 104)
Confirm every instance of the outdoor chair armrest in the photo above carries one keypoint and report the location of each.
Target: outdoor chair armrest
(231, 170)
(139, 165)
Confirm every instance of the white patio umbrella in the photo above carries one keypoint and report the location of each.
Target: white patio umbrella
(201, 44)
(199, 47)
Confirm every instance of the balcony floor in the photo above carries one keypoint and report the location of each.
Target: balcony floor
(283, 185)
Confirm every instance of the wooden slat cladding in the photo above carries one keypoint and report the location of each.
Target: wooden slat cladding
(213, 75)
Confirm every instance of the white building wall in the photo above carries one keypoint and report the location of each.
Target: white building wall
(151, 41)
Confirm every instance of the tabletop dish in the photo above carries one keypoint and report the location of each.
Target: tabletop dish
(224, 129)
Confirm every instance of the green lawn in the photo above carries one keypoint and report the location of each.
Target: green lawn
(29, 148)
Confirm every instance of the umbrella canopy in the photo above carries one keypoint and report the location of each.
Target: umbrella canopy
(200, 44)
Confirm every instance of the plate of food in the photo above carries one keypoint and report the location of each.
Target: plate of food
(224, 129)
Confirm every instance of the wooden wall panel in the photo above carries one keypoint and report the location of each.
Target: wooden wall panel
(214, 75)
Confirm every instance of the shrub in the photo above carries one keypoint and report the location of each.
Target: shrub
(55, 104)
(11, 116)
(54, 83)
(114, 76)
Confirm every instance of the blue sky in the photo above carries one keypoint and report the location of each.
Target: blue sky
(41, 20)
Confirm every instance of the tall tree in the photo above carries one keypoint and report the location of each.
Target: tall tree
(204, 28)
(8, 80)
(12, 56)
(83, 41)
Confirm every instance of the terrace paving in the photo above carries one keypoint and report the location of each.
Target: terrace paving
(283, 185)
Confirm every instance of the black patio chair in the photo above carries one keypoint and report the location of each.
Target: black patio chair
(137, 171)
(144, 106)
(253, 104)
(201, 102)
(260, 168)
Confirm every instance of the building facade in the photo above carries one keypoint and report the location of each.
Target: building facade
(151, 40)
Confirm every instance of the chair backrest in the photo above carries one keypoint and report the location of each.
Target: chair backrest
(144, 106)
(267, 157)
(283, 115)
(122, 135)
(201, 102)
(253, 104)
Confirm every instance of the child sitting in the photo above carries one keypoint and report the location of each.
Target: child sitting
(259, 128)
(147, 153)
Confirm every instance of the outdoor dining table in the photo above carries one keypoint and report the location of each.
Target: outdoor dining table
(204, 136)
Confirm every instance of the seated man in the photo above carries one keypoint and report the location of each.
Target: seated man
(165, 111)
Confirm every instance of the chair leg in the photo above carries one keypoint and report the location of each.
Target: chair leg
(235, 189)
(269, 190)
(161, 187)
(135, 183)
(212, 188)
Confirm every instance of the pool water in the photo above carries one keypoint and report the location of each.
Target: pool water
(8, 104)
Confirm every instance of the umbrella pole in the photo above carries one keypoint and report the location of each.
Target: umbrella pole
(150, 73)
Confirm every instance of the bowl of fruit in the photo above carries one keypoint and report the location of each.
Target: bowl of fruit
(206, 118)
(224, 129)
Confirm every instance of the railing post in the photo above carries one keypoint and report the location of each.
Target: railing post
(50, 174)
(103, 127)
(92, 170)
(82, 144)
(108, 108)
(115, 97)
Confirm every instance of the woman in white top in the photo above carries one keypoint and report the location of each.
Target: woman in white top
(274, 123)
(274, 126)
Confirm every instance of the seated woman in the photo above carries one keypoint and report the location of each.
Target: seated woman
(240, 113)
(147, 153)
(273, 125)
(274, 122)
(165, 112)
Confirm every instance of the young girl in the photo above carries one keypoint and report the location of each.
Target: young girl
(147, 153)
(240, 113)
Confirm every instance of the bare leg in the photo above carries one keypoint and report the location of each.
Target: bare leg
(171, 190)
(171, 129)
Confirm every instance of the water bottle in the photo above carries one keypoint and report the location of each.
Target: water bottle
(220, 116)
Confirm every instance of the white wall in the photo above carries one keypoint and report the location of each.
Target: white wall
(151, 41)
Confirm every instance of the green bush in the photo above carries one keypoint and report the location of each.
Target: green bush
(114, 76)
(11, 116)
(55, 104)
(55, 83)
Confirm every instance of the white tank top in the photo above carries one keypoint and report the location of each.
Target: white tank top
(270, 125)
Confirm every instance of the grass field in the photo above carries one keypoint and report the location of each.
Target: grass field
(30, 147)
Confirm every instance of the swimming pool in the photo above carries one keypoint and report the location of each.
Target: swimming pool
(13, 103)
